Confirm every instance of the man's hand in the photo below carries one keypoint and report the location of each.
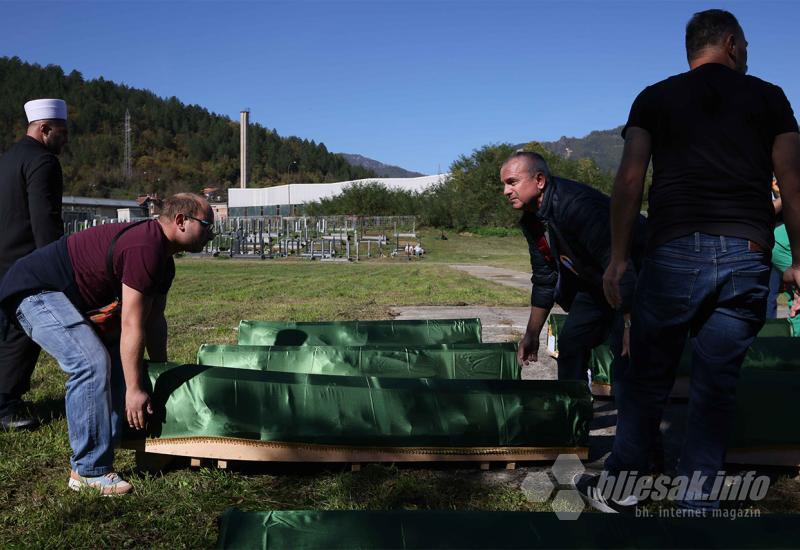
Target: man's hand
(791, 278)
(626, 335)
(611, 278)
(137, 402)
(528, 351)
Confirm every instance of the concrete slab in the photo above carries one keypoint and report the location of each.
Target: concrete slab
(498, 324)
(499, 275)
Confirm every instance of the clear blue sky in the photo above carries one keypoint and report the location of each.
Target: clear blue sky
(410, 83)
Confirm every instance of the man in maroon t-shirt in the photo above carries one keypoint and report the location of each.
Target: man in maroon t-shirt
(53, 292)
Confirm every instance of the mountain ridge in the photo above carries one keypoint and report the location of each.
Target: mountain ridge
(383, 170)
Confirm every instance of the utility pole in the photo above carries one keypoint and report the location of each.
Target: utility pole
(127, 171)
(244, 121)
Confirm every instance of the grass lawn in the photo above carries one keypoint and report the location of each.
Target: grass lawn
(181, 508)
(465, 248)
(210, 296)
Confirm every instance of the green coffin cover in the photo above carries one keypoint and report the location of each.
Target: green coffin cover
(299, 529)
(600, 360)
(775, 327)
(469, 361)
(555, 321)
(773, 347)
(767, 406)
(202, 401)
(360, 333)
(766, 353)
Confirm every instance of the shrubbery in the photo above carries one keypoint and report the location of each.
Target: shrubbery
(472, 197)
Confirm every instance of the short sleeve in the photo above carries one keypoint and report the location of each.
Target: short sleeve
(782, 115)
(642, 114)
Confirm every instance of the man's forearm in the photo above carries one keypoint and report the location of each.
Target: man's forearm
(131, 348)
(626, 201)
(790, 198)
(786, 163)
(537, 319)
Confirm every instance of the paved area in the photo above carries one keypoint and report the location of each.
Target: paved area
(499, 275)
(498, 324)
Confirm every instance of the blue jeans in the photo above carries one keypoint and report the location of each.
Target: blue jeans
(775, 279)
(93, 404)
(716, 288)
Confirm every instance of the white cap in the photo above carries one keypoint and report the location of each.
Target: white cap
(46, 109)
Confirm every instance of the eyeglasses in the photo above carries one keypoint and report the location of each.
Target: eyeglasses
(205, 223)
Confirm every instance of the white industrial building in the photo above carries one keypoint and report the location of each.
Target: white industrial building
(289, 199)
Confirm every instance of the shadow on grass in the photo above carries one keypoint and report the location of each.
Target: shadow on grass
(48, 410)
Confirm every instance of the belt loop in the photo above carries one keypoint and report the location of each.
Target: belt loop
(722, 243)
(697, 241)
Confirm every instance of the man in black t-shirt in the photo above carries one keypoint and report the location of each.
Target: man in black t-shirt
(715, 136)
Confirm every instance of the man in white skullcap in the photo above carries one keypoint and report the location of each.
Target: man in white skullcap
(31, 186)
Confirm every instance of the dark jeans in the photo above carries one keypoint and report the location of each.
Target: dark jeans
(590, 323)
(716, 288)
(18, 356)
(775, 279)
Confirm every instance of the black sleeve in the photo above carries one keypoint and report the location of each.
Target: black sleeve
(588, 220)
(543, 274)
(45, 185)
(782, 115)
(642, 113)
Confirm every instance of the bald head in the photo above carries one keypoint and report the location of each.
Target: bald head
(534, 162)
(188, 204)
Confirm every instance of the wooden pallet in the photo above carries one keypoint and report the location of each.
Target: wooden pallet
(221, 450)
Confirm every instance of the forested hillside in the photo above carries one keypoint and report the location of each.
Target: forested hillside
(175, 147)
(602, 146)
(470, 196)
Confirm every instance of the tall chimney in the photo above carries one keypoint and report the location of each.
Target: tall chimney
(244, 120)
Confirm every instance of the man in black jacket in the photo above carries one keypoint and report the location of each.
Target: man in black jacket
(31, 187)
(568, 263)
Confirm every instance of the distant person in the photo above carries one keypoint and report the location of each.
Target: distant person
(55, 291)
(781, 261)
(776, 275)
(567, 229)
(715, 136)
(31, 187)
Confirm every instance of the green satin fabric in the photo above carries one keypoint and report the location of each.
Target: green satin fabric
(773, 328)
(767, 353)
(767, 411)
(360, 333)
(453, 361)
(194, 401)
(600, 360)
(301, 529)
(555, 322)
